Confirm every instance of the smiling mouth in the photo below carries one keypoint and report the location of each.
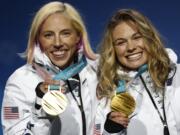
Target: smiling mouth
(59, 53)
(135, 56)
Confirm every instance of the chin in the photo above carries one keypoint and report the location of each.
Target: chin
(58, 63)
(133, 66)
(62, 65)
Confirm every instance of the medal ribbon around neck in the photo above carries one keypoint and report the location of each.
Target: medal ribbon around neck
(54, 102)
(123, 101)
(71, 70)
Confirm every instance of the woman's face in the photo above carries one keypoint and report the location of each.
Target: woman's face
(129, 46)
(58, 40)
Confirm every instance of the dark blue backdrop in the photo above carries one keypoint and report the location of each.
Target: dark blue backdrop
(16, 17)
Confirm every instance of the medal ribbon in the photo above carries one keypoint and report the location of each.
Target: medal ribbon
(121, 83)
(62, 75)
(71, 70)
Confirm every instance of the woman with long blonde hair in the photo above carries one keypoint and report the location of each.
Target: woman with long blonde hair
(139, 76)
(55, 92)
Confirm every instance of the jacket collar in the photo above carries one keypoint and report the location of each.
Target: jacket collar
(41, 58)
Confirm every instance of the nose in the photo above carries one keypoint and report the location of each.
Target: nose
(57, 41)
(131, 46)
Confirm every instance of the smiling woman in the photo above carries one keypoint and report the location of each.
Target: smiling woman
(138, 76)
(129, 46)
(59, 40)
(55, 92)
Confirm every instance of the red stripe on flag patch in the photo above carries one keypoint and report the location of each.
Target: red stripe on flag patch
(97, 129)
(11, 112)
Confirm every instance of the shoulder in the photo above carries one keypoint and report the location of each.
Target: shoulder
(172, 55)
(93, 63)
(23, 75)
(177, 72)
(90, 70)
(22, 71)
(173, 77)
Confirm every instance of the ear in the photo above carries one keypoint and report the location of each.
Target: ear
(79, 43)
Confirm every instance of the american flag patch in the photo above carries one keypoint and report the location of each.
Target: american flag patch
(97, 129)
(11, 112)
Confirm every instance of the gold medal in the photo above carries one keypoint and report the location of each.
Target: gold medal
(54, 102)
(123, 102)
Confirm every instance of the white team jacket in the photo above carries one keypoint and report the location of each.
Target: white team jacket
(20, 94)
(146, 120)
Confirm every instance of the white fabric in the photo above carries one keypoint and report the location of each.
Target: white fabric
(20, 92)
(146, 120)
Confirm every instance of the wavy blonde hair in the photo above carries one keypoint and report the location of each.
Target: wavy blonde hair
(158, 60)
(52, 8)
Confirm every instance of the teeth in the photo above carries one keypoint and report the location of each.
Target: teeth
(134, 56)
(59, 52)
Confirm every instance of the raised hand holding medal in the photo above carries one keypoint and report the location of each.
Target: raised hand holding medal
(122, 106)
(122, 101)
(54, 102)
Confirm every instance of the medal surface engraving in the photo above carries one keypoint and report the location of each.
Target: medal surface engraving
(54, 102)
(123, 102)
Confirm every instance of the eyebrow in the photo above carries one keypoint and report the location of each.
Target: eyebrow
(136, 33)
(50, 31)
(66, 29)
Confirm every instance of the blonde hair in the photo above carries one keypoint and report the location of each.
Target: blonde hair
(158, 60)
(44, 13)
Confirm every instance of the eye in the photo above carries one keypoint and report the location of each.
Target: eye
(120, 43)
(48, 35)
(66, 33)
(137, 36)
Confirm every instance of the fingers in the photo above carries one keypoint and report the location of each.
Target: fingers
(45, 86)
(52, 82)
(117, 114)
(119, 118)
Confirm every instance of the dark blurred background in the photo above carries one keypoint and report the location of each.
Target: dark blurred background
(16, 17)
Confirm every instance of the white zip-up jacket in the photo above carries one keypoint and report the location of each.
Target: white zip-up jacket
(19, 115)
(146, 120)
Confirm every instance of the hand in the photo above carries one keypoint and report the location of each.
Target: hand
(116, 122)
(119, 118)
(44, 85)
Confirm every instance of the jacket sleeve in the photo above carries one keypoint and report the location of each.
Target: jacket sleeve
(103, 108)
(18, 112)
